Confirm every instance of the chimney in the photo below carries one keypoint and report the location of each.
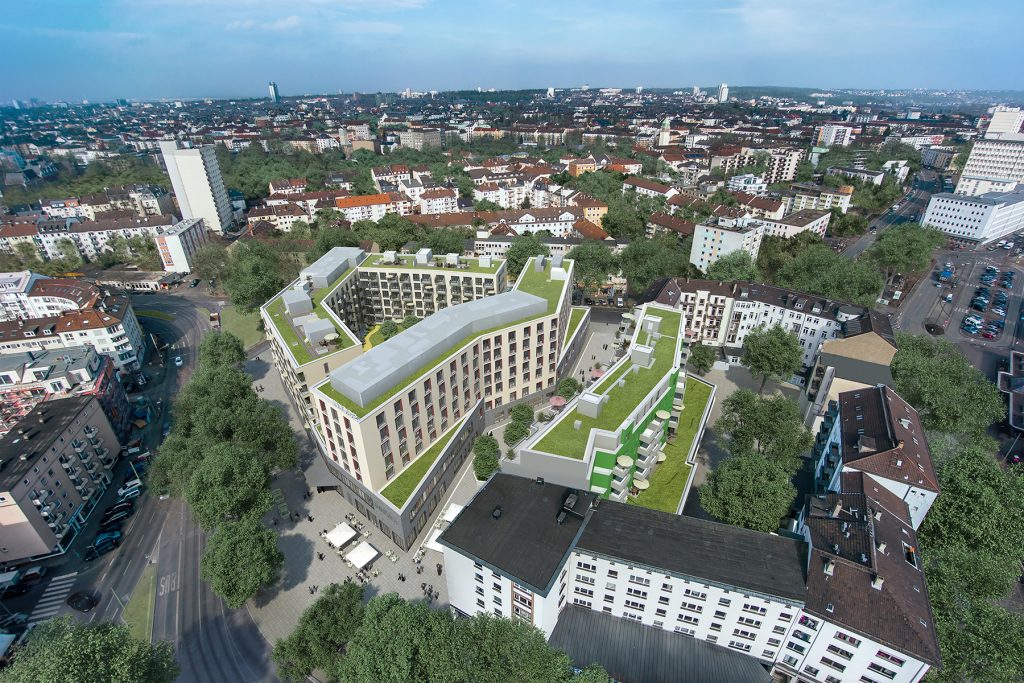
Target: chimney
(876, 582)
(837, 509)
(881, 546)
(830, 566)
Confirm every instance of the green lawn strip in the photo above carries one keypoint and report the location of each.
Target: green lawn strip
(538, 286)
(402, 487)
(564, 440)
(159, 315)
(537, 283)
(245, 326)
(138, 613)
(575, 318)
(669, 480)
(291, 336)
(408, 261)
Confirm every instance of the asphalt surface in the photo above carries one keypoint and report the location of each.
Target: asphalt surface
(915, 202)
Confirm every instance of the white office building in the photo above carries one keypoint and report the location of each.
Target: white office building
(833, 135)
(179, 243)
(198, 185)
(723, 92)
(995, 165)
(979, 219)
(1005, 120)
(747, 182)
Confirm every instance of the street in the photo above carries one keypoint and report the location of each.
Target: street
(915, 202)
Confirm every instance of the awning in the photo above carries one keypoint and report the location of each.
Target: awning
(363, 555)
(449, 515)
(340, 535)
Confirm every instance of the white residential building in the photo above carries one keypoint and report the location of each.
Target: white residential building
(712, 241)
(91, 238)
(179, 243)
(833, 135)
(1005, 120)
(438, 200)
(979, 218)
(994, 165)
(820, 197)
(198, 184)
(748, 182)
(791, 225)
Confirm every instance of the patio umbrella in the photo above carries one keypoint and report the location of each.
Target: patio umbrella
(641, 484)
(556, 401)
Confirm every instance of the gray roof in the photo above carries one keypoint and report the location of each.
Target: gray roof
(379, 369)
(21, 447)
(988, 199)
(719, 553)
(633, 653)
(862, 371)
(328, 267)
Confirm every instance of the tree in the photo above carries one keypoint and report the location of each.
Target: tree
(389, 328)
(701, 357)
(392, 232)
(252, 275)
(210, 261)
(904, 248)
(324, 630)
(593, 263)
(644, 261)
(221, 348)
(486, 205)
(847, 224)
(569, 387)
(771, 352)
(409, 320)
(329, 237)
(515, 432)
(486, 453)
(69, 253)
(748, 491)
(228, 483)
(61, 649)
(521, 250)
(737, 265)
(445, 241)
(804, 172)
(950, 394)
(240, 558)
(522, 413)
(770, 427)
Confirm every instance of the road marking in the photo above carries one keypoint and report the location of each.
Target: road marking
(53, 597)
(168, 584)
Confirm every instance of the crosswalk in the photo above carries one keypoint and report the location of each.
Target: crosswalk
(53, 597)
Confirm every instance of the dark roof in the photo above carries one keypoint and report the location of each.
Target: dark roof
(31, 438)
(713, 552)
(526, 542)
(863, 371)
(873, 322)
(633, 653)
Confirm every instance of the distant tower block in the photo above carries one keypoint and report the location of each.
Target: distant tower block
(723, 92)
(665, 135)
(275, 96)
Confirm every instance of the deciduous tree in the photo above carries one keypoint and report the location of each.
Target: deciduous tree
(252, 275)
(593, 263)
(735, 266)
(221, 348)
(748, 491)
(771, 352)
(241, 558)
(770, 427)
(320, 639)
(521, 250)
(228, 483)
(701, 357)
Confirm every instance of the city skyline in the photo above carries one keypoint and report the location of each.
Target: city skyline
(226, 48)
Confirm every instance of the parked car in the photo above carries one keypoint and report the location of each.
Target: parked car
(15, 590)
(133, 483)
(33, 573)
(178, 362)
(126, 505)
(116, 517)
(94, 552)
(195, 283)
(13, 619)
(83, 602)
(108, 536)
(130, 495)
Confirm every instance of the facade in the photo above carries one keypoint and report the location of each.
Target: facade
(817, 197)
(937, 157)
(529, 549)
(198, 184)
(804, 220)
(58, 464)
(275, 96)
(747, 182)
(1005, 120)
(438, 200)
(179, 243)
(420, 138)
(862, 174)
(723, 93)
(88, 238)
(648, 188)
(857, 359)
(712, 241)
(980, 218)
(1011, 382)
(994, 165)
(833, 135)
(144, 200)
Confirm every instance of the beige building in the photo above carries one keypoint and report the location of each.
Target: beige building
(56, 465)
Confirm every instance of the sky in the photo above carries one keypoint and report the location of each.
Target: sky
(151, 49)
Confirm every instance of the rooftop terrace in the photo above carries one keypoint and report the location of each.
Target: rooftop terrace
(566, 441)
(293, 337)
(437, 263)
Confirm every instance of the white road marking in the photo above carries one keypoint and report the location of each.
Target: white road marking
(53, 597)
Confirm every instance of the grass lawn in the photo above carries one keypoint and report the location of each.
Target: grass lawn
(409, 261)
(138, 613)
(399, 490)
(571, 443)
(159, 315)
(575, 317)
(669, 480)
(538, 283)
(245, 326)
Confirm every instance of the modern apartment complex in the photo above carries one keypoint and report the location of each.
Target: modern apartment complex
(833, 135)
(57, 464)
(994, 165)
(837, 600)
(980, 218)
(722, 236)
(179, 243)
(802, 196)
(198, 184)
(420, 138)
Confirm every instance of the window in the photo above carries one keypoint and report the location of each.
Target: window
(845, 654)
(755, 609)
(795, 647)
(740, 633)
(639, 580)
(633, 604)
(691, 607)
(584, 591)
(790, 660)
(696, 595)
(833, 664)
(886, 657)
(781, 630)
(737, 645)
(849, 640)
(747, 621)
(589, 580)
(811, 670)
(724, 602)
(636, 592)
(586, 567)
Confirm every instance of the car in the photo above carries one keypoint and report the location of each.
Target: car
(127, 505)
(13, 619)
(195, 283)
(998, 324)
(33, 573)
(83, 602)
(15, 590)
(95, 552)
(178, 362)
(110, 536)
(130, 484)
(141, 458)
(973, 319)
(988, 334)
(947, 298)
(1000, 312)
(130, 495)
(116, 517)
(111, 527)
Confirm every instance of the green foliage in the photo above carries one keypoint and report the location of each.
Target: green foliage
(486, 205)
(445, 240)
(229, 483)
(950, 394)
(221, 348)
(772, 352)
(61, 649)
(252, 275)
(644, 261)
(389, 328)
(701, 357)
(486, 453)
(593, 264)
(515, 432)
(329, 237)
(847, 224)
(409, 320)
(904, 249)
(569, 387)
(522, 413)
(804, 172)
(391, 232)
(240, 558)
(804, 263)
(210, 261)
(251, 170)
(770, 427)
(521, 250)
(735, 266)
(324, 630)
(748, 491)
(97, 176)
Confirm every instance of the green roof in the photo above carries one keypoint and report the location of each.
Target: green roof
(409, 261)
(563, 440)
(538, 284)
(399, 490)
(292, 338)
(575, 317)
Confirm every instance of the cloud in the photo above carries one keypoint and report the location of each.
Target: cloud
(375, 27)
(282, 24)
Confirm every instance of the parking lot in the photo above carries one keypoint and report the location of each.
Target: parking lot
(989, 303)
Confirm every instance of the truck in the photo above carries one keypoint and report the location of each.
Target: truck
(947, 273)
(215, 320)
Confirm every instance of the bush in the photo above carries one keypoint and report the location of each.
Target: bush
(569, 387)
(522, 413)
(485, 456)
(515, 433)
(389, 329)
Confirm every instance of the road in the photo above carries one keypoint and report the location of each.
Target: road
(915, 202)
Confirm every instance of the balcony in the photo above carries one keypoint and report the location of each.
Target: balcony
(618, 484)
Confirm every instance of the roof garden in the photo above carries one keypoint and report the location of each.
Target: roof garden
(575, 318)
(533, 282)
(399, 490)
(564, 440)
(293, 339)
(408, 261)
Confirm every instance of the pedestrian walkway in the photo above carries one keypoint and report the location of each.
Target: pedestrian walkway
(53, 597)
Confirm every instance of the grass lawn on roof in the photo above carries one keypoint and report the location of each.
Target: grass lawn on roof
(669, 480)
(409, 261)
(399, 490)
(539, 284)
(572, 443)
(290, 334)
(575, 317)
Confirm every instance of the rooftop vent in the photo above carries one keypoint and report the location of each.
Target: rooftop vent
(496, 512)
(830, 608)
(876, 582)
(540, 480)
(830, 567)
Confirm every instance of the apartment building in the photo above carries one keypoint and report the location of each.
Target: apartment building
(420, 138)
(438, 200)
(558, 221)
(507, 195)
(717, 237)
(144, 200)
(179, 243)
(282, 216)
(833, 135)
(198, 184)
(661, 223)
(781, 161)
(88, 238)
(1005, 120)
(747, 182)
(804, 220)
(391, 174)
(859, 358)
(1010, 383)
(57, 464)
(861, 174)
(309, 202)
(721, 314)
(800, 605)
(288, 186)
(396, 422)
(874, 431)
(648, 188)
(802, 196)
(979, 218)
(938, 157)
(373, 207)
(994, 165)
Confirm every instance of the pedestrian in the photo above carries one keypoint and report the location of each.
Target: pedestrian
(310, 590)
(309, 517)
(274, 521)
(439, 569)
(321, 556)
